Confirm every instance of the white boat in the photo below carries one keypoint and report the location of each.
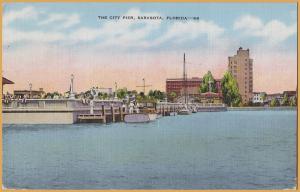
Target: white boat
(184, 112)
(140, 117)
(158, 116)
(173, 113)
(194, 110)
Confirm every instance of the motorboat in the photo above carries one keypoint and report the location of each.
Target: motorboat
(184, 112)
(140, 117)
(143, 116)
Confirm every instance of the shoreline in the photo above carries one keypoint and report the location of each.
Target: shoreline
(283, 108)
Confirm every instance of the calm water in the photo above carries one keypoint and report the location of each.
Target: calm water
(226, 150)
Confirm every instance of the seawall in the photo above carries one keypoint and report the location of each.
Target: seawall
(49, 111)
(287, 108)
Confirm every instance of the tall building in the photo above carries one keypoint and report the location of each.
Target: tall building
(241, 67)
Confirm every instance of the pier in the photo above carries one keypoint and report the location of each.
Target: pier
(70, 111)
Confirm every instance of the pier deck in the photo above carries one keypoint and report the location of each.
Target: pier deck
(65, 111)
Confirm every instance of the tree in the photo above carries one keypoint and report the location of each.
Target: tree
(121, 93)
(52, 95)
(264, 96)
(230, 90)
(48, 96)
(274, 102)
(102, 95)
(292, 101)
(157, 95)
(133, 93)
(172, 96)
(141, 94)
(208, 80)
(105, 96)
(139, 98)
(285, 100)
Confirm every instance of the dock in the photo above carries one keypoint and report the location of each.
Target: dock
(70, 111)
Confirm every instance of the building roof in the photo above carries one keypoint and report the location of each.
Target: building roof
(188, 79)
(6, 81)
(289, 92)
(274, 95)
(259, 93)
(27, 91)
(181, 79)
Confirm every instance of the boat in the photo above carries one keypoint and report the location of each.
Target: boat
(184, 112)
(140, 117)
(173, 113)
(194, 110)
(143, 116)
(158, 116)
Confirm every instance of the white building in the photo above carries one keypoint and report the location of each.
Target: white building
(258, 97)
(104, 90)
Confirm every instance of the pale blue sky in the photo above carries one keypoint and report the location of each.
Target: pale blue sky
(49, 36)
(222, 14)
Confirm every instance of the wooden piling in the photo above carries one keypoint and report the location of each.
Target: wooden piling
(113, 114)
(121, 114)
(103, 114)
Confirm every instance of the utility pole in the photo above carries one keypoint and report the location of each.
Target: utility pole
(71, 94)
(116, 88)
(144, 86)
(30, 89)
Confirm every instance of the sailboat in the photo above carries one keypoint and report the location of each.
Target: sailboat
(185, 110)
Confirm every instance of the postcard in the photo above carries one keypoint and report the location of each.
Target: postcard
(149, 95)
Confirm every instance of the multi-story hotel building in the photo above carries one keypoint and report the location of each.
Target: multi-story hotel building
(176, 85)
(241, 67)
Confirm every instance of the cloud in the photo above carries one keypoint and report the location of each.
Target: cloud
(52, 18)
(124, 33)
(85, 34)
(139, 33)
(273, 31)
(38, 34)
(66, 20)
(25, 13)
(71, 20)
(182, 31)
(248, 22)
(12, 36)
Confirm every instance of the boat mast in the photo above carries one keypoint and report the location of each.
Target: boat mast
(184, 80)
(144, 86)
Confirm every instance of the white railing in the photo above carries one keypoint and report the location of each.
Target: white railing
(57, 104)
